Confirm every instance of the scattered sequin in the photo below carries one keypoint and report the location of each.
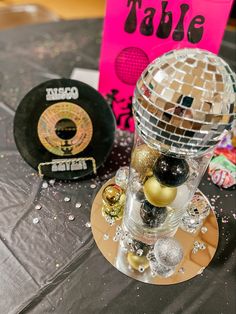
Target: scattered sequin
(45, 185)
(139, 252)
(93, 186)
(67, 199)
(35, 221)
(78, 205)
(71, 217)
(38, 206)
(106, 237)
(88, 224)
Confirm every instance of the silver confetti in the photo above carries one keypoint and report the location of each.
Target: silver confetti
(139, 252)
(78, 205)
(35, 221)
(45, 185)
(93, 186)
(106, 237)
(88, 224)
(38, 206)
(67, 199)
(71, 217)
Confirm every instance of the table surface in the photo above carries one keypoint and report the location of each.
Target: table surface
(54, 265)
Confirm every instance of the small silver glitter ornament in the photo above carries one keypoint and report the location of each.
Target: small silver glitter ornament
(157, 269)
(168, 251)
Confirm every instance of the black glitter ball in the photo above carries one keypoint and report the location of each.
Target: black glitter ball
(170, 171)
(153, 216)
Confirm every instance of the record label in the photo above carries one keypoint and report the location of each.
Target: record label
(65, 129)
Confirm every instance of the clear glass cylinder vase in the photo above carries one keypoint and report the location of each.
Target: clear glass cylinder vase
(183, 103)
(160, 188)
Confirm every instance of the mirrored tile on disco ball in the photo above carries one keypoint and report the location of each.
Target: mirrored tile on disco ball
(208, 76)
(177, 97)
(186, 89)
(175, 85)
(211, 68)
(190, 61)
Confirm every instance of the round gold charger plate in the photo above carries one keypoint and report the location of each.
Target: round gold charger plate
(192, 264)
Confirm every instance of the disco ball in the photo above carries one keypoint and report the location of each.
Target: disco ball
(184, 101)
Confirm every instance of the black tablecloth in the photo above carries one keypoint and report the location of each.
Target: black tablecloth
(54, 265)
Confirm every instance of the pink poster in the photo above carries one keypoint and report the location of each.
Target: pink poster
(138, 31)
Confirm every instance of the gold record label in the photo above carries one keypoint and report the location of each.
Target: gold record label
(65, 129)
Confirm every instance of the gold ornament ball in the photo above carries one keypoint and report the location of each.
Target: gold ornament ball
(111, 194)
(157, 194)
(137, 261)
(143, 159)
(116, 214)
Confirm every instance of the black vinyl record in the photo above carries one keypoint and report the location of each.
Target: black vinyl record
(66, 124)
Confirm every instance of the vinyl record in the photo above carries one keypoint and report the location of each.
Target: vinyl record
(67, 124)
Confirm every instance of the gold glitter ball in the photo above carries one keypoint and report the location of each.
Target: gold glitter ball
(143, 159)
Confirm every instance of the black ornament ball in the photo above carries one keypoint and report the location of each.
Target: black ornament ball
(153, 216)
(171, 171)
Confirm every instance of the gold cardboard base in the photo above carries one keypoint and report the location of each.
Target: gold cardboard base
(192, 264)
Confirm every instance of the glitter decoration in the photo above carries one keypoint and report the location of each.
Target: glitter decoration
(121, 177)
(168, 251)
(198, 246)
(35, 221)
(185, 106)
(52, 182)
(88, 224)
(67, 199)
(45, 185)
(78, 205)
(71, 217)
(38, 206)
(158, 269)
(190, 224)
(143, 159)
(93, 186)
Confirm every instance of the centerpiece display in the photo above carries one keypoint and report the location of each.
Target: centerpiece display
(183, 104)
